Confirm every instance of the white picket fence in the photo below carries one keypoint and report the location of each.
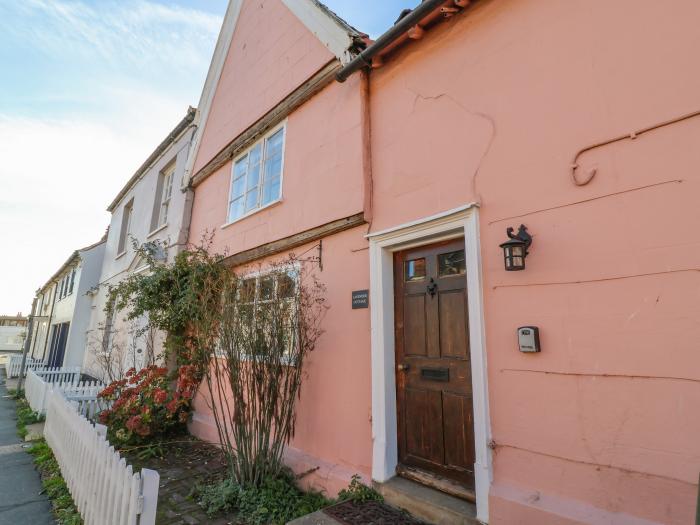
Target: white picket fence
(67, 380)
(105, 489)
(14, 364)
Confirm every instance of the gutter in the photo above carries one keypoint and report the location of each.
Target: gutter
(410, 26)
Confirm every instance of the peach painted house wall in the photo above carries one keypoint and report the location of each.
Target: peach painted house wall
(490, 107)
(271, 54)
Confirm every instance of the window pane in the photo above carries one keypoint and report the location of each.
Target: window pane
(167, 186)
(247, 291)
(273, 166)
(255, 155)
(274, 144)
(241, 167)
(451, 263)
(163, 214)
(267, 288)
(414, 270)
(253, 176)
(271, 191)
(251, 200)
(236, 209)
(285, 286)
(238, 187)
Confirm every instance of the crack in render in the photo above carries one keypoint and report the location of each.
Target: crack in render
(600, 280)
(614, 194)
(488, 118)
(611, 376)
(593, 464)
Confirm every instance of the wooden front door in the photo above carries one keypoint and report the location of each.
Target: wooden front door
(433, 373)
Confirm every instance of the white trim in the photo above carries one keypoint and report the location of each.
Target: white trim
(282, 126)
(463, 221)
(326, 29)
(216, 67)
(424, 220)
(251, 212)
(157, 230)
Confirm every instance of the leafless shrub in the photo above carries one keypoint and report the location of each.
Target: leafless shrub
(261, 334)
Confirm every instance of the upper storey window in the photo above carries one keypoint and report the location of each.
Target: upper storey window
(256, 181)
(127, 212)
(164, 193)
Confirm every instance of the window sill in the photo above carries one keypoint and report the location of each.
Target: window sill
(251, 212)
(120, 255)
(157, 230)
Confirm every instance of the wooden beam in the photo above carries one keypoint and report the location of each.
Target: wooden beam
(293, 241)
(296, 98)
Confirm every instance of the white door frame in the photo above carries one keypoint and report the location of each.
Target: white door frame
(460, 222)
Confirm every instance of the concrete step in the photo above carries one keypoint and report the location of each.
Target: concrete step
(426, 503)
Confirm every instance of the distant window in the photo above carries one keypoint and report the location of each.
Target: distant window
(108, 334)
(257, 176)
(60, 291)
(126, 225)
(72, 281)
(164, 193)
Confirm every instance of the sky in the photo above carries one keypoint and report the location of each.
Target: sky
(88, 88)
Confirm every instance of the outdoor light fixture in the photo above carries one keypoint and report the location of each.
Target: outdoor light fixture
(515, 249)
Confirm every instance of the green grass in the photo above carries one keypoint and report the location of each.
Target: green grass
(25, 416)
(54, 485)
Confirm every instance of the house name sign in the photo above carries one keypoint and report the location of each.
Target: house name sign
(360, 299)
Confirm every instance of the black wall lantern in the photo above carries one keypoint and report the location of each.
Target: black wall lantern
(515, 249)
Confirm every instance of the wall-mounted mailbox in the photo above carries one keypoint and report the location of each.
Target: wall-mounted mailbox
(529, 339)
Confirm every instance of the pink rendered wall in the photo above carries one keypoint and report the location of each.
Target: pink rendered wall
(333, 429)
(322, 177)
(271, 54)
(603, 425)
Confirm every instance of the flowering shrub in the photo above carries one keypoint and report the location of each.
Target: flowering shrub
(146, 405)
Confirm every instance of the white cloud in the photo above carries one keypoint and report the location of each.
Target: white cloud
(57, 178)
(132, 33)
(141, 64)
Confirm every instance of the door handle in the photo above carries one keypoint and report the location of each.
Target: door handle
(403, 368)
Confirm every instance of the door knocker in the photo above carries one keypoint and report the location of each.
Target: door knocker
(432, 287)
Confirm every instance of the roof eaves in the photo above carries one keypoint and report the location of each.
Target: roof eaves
(341, 39)
(73, 257)
(162, 147)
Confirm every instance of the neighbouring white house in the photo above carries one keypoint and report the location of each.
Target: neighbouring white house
(63, 308)
(152, 209)
(13, 330)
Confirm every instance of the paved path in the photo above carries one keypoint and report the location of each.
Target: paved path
(21, 501)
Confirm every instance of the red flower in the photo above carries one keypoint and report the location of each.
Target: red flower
(133, 422)
(160, 395)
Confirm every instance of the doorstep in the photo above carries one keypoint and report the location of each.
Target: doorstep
(426, 503)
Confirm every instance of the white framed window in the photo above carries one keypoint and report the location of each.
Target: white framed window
(164, 193)
(126, 226)
(256, 180)
(256, 289)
